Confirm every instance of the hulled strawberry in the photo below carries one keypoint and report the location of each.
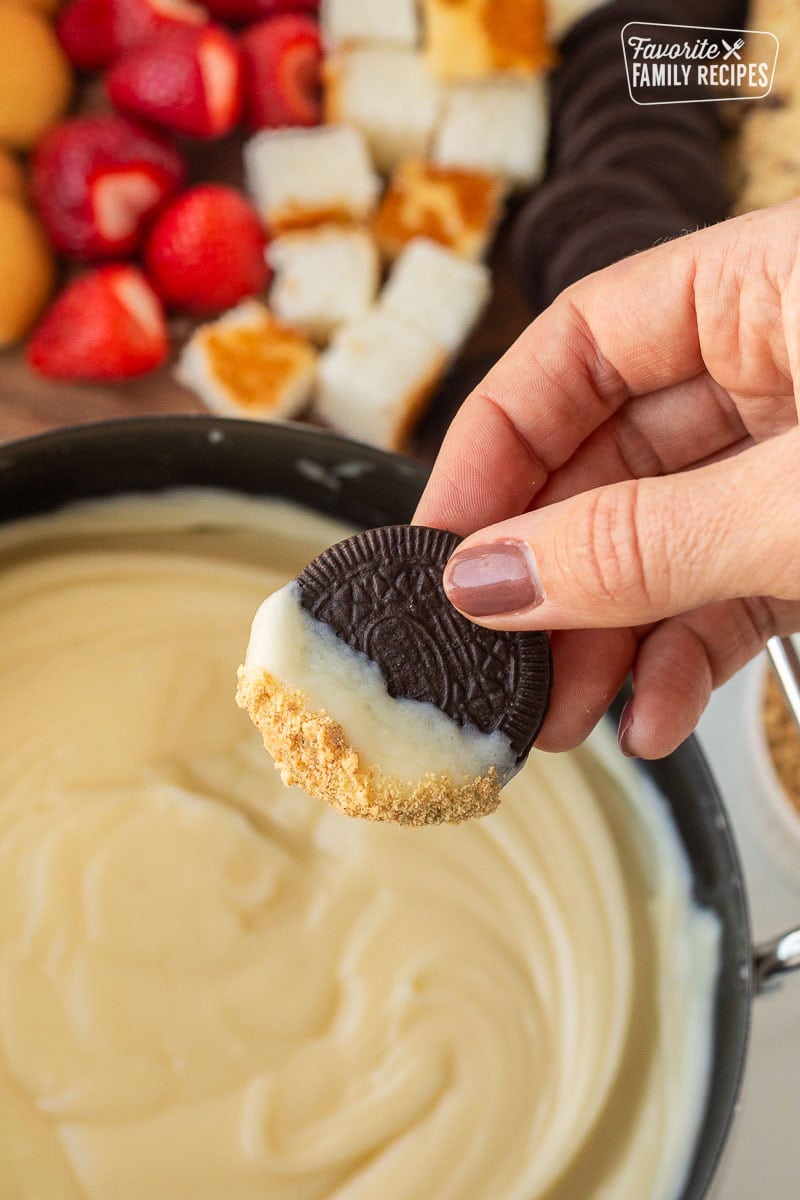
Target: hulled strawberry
(96, 180)
(205, 251)
(108, 324)
(282, 61)
(257, 10)
(188, 80)
(94, 33)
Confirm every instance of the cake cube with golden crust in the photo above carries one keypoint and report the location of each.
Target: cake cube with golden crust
(247, 364)
(434, 289)
(500, 127)
(376, 377)
(389, 94)
(474, 39)
(323, 277)
(456, 208)
(304, 177)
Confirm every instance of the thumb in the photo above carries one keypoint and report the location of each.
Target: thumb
(635, 552)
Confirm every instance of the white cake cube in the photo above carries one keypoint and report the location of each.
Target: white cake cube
(500, 126)
(246, 364)
(302, 177)
(323, 277)
(390, 95)
(376, 378)
(350, 22)
(434, 288)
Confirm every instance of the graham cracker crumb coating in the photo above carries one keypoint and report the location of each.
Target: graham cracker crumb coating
(312, 751)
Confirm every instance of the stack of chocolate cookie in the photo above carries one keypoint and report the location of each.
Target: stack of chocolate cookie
(623, 176)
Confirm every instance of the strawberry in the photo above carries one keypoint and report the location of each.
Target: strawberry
(188, 80)
(96, 32)
(282, 62)
(108, 324)
(205, 251)
(256, 10)
(96, 180)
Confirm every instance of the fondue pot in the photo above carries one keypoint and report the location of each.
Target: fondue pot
(367, 487)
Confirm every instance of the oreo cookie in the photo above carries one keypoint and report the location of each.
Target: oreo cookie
(600, 55)
(568, 204)
(614, 16)
(584, 142)
(693, 174)
(605, 242)
(580, 94)
(381, 593)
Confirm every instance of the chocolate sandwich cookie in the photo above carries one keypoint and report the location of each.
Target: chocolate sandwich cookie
(579, 93)
(601, 55)
(600, 105)
(693, 174)
(605, 242)
(613, 16)
(565, 206)
(375, 695)
(695, 123)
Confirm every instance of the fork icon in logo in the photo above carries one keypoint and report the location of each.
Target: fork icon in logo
(733, 51)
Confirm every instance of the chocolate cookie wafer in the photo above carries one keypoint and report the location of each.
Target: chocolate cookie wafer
(606, 242)
(721, 14)
(598, 104)
(613, 16)
(694, 123)
(375, 695)
(691, 172)
(566, 205)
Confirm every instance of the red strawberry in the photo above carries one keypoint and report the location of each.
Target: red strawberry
(282, 61)
(96, 180)
(108, 324)
(255, 10)
(205, 252)
(96, 32)
(188, 80)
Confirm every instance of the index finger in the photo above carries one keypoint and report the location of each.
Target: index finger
(624, 331)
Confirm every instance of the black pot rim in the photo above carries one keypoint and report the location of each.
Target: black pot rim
(20, 464)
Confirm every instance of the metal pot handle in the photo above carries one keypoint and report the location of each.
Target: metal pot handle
(776, 958)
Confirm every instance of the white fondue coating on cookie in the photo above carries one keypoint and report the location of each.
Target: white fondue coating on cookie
(405, 739)
(212, 987)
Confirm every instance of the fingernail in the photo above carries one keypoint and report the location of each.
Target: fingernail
(624, 733)
(487, 581)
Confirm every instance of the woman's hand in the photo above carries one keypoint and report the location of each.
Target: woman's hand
(632, 469)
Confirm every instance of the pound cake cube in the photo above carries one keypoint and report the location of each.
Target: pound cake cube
(389, 94)
(459, 209)
(323, 277)
(376, 378)
(246, 364)
(351, 22)
(304, 177)
(473, 39)
(500, 127)
(433, 288)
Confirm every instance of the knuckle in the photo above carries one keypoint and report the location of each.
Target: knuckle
(609, 548)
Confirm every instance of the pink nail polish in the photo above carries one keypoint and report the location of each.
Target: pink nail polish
(493, 580)
(624, 733)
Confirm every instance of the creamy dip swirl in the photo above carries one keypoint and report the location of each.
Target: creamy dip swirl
(214, 988)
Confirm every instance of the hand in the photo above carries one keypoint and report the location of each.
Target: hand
(632, 469)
